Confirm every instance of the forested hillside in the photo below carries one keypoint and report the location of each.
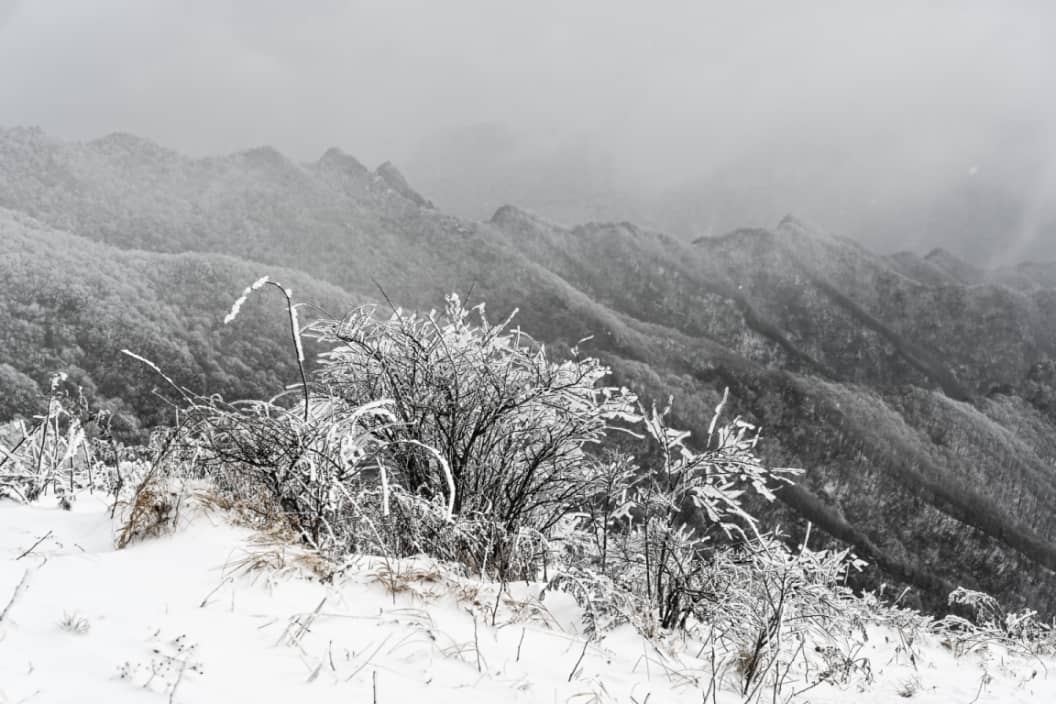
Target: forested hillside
(69, 305)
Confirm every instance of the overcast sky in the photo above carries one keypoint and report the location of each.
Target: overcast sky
(907, 89)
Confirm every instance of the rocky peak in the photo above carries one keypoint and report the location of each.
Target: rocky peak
(792, 226)
(264, 156)
(960, 270)
(336, 160)
(512, 216)
(790, 223)
(395, 180)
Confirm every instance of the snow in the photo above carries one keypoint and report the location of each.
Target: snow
(188, 618)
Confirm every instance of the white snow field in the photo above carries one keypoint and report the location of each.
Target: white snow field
(213, 614)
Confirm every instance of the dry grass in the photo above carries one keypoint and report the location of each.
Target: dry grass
(427, 582)
(154, 510)
(274, 552)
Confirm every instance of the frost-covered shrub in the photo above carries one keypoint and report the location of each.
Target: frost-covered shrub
(656, 526)
(448, 435)
(481, 416)
(284, 465)
(412, 525)
(55, 453)
(329, 480)
(440, 434)
(991, 624)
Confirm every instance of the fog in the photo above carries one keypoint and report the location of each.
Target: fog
(904, 123)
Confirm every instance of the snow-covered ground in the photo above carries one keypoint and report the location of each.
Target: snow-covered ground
(198, 617)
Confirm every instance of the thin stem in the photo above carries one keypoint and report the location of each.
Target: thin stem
(298, 347)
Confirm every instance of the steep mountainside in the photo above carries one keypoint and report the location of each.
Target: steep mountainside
(919, 393)
(68, 304)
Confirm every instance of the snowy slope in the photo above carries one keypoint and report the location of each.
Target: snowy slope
(215, 614)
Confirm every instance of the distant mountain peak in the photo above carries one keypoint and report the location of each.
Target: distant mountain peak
(265, 156)
(131, 151)
(123, 139)
(508, 215)
(395, 180)
(335, 158)
(939, 253)
(960, 270)
(791, 222)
